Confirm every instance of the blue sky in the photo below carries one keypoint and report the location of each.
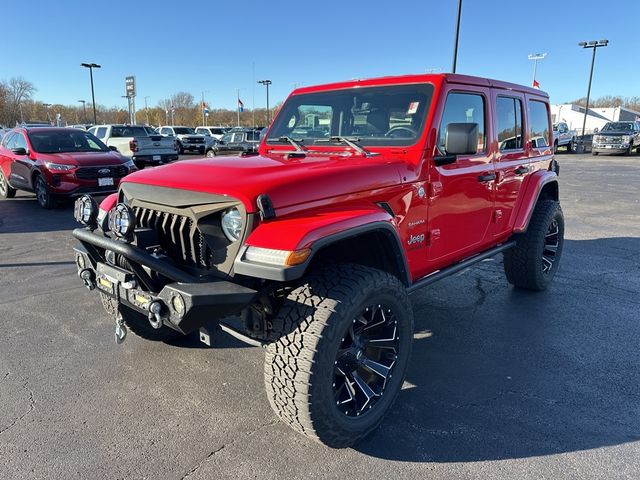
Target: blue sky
(212, 46)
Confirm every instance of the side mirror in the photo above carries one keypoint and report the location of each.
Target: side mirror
(459, 139)
(112, 148)
(595, 130)
(19, 151)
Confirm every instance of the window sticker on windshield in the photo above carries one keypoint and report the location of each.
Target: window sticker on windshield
(413, 108)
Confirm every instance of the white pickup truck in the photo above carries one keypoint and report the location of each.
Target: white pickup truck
(563, 137)
(142, 144)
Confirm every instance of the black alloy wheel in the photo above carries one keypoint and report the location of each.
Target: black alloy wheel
(45, 200)
(551, 245)
(365, 360)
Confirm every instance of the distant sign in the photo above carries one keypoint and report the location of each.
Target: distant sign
(130, 86)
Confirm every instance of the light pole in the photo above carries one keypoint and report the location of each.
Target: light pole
(455, 45)
(266, 83)
(84, 110)
(46, 107)
(535, 57)
(91, 66)
(146, 109)
(594, 44)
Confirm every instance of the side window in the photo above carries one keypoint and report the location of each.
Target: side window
(237, 137)
(7, 141)
(539, 124)
(226, 138)
(509, 123)
(101, 132)
(19, 141)
(463, 108)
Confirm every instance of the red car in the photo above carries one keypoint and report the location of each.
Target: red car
(55, 163)
(362, 193)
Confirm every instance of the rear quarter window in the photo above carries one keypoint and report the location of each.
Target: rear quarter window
(539, 124)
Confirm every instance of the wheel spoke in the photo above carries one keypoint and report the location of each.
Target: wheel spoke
(374, 323)
(547, 264)
(377, 368)
(364, 388)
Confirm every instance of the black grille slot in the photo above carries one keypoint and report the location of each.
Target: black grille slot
(179, 237)
(89, 173)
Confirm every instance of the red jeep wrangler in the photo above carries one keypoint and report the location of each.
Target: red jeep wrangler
(362, 193)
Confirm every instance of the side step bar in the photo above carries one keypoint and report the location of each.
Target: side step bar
(445, 272)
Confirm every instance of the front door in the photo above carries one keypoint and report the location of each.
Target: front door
(20, 164)
(461, 193)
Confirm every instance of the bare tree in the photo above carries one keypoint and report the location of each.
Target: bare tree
(19, 90)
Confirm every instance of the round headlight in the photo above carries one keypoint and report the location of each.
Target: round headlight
(232, 223)
(85, 211)
(122, 220)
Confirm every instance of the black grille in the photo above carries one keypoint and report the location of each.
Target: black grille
(88, 173)
(194, 140)
(179, 237)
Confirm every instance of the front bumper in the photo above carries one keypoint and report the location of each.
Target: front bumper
(609, 148)
(187, 303)
(193, 147)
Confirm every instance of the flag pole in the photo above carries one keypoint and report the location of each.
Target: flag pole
(238, 106)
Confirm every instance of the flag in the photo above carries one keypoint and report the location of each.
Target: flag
(536, 84)
(240, 106)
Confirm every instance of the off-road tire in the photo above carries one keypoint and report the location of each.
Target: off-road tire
(300, 367)
(523, 264)
(5, 189)
(137, 322)
(43, 195)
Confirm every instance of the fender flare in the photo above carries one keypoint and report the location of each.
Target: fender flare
(537, 181)
(287, 273)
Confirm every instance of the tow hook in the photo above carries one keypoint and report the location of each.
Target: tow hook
(156, 308)
(121, 329)
(88, 278)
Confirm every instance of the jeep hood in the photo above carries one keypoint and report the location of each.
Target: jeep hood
(287, 182)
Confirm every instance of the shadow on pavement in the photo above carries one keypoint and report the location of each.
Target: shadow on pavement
(23, 215)
(501, 373)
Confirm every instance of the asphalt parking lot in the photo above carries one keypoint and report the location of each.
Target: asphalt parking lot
(503, 383)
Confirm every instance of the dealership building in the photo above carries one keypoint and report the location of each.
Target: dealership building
(573, 116)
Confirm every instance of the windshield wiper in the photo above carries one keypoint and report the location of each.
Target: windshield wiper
(351, 142)
(298, 146)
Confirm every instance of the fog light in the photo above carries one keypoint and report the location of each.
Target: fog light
(85, 211)
(122, 221)
(177, 303)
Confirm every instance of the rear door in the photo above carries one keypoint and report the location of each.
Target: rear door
(461, 193)
(511, 158)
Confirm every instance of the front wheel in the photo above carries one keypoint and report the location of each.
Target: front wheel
(534, 260)
(5, 189)
(45, 200)
(211, 153)
(340, 361)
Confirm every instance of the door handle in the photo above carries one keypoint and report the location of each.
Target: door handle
(487, 177)
(521, 170)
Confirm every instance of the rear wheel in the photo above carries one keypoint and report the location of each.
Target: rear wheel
(340, 361)
(137, 322)
(595, 154)
(555, 147)
(571, 146)
(533, 262)
(211, 153)
(5, 190)
(43, 195)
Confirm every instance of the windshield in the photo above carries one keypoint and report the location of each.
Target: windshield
(65, 141)
(617, 127)
(390, 115)
(183, 131)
